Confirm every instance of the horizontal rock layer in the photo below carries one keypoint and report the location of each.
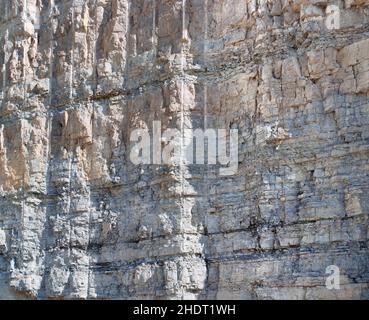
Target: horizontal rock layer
(78, 220)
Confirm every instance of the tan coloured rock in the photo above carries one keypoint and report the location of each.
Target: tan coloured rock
(79, 220)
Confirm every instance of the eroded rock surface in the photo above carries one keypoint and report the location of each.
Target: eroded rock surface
(79, 220)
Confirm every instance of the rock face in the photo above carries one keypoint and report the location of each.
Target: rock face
(79, 220)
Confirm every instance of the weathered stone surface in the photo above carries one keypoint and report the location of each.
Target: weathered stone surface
(79, 220)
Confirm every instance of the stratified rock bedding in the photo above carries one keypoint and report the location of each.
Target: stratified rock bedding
(79, 220)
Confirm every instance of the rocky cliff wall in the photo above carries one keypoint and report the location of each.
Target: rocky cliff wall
(79, 220)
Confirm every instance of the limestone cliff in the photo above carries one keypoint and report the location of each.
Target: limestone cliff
(79, 220)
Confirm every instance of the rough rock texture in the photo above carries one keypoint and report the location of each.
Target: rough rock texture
(79, 220)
